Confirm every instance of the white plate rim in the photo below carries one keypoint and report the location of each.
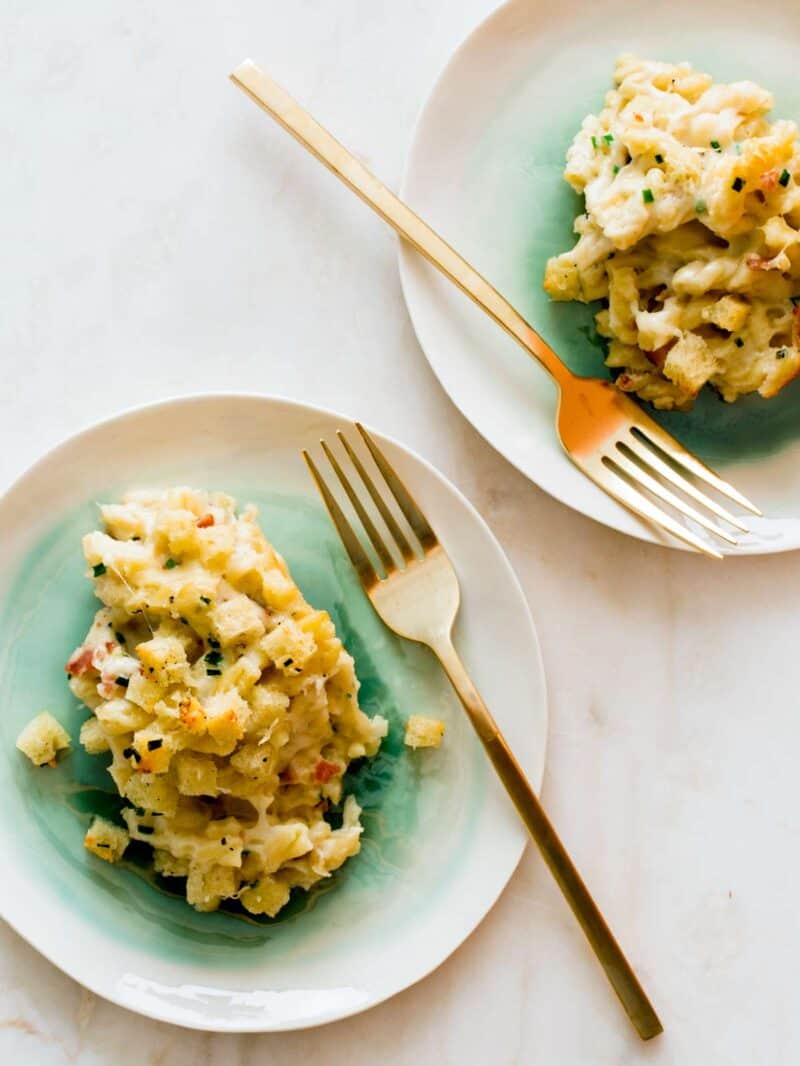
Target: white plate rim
(25, 928)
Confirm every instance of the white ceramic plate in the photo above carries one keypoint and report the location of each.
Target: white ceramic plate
(485, 170)
(441, 838)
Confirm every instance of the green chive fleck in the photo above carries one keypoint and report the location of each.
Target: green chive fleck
(170, 564)
(701, 206)
(594, 142)
(739, 342)
(616, 169)
(738, 148)
(716, 146)
(647, 196)
(213, 673)
(738, 184)
(785, 178)
(122, 681)
(781, 353)
(99, 570)
(795, 300)
(608, 137)
(120, 637)
(205, 599)
(214, 658)
(213, 643)
(659, 157)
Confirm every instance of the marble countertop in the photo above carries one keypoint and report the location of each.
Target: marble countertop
(160, 237)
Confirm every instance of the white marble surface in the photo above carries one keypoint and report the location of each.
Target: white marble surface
(159, 237)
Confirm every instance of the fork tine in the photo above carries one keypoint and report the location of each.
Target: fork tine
(387, 562)
(358, 557)
(415, 518)
(642, 477)
(625, 493)
(654, 435)
(652, 459)
(391, 523)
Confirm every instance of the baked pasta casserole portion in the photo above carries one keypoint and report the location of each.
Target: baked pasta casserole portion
(228, 704)
(690, 235)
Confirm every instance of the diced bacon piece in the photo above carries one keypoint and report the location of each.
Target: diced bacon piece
(769, 180)
(325, 770)
(758, 262)
(81, 662)
(206, 521)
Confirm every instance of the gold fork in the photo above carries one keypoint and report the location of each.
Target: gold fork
(417, 595)
(604, 432)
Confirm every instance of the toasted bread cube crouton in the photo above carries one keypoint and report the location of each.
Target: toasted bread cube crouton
(163, 659)
(106, 840)
(196, 774)
(422, 732)
(155, 750)
(42, 738)
(121, 716)
(690, 363)
(93, 737)
(205, 889)
(266, 896)
(238, 619)
(168, 865)
(728, 313)
(226, 717)
(289, 647)
(143, 692)
(152, 792)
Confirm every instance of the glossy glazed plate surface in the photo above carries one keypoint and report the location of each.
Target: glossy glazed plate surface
(485, 169)
(441, 838)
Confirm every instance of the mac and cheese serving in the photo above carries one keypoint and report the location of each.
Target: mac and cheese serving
(228, 704)
(690, 236)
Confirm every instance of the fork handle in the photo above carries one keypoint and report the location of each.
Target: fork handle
(297, 121)
(618, 969)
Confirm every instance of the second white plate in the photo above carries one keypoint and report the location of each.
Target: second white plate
(485, 170)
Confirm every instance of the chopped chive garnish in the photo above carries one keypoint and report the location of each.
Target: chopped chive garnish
(205, 599)
(100, 845)
(99, 569)
(701, 206)
(647, 196)
(213, 673)
(146, 830)
(123, 682)
(213, 643)
(738, 184)
(784, 178)
(154, 745)
(739, 342)
(120, 637)
(716, 146)
(781, 353)
(795, 300)
(214, 658)
(616, 169)
(659, 157)
(738, 147)
(608, 137)
(132, 753)
(594, 142)
(170, 564)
